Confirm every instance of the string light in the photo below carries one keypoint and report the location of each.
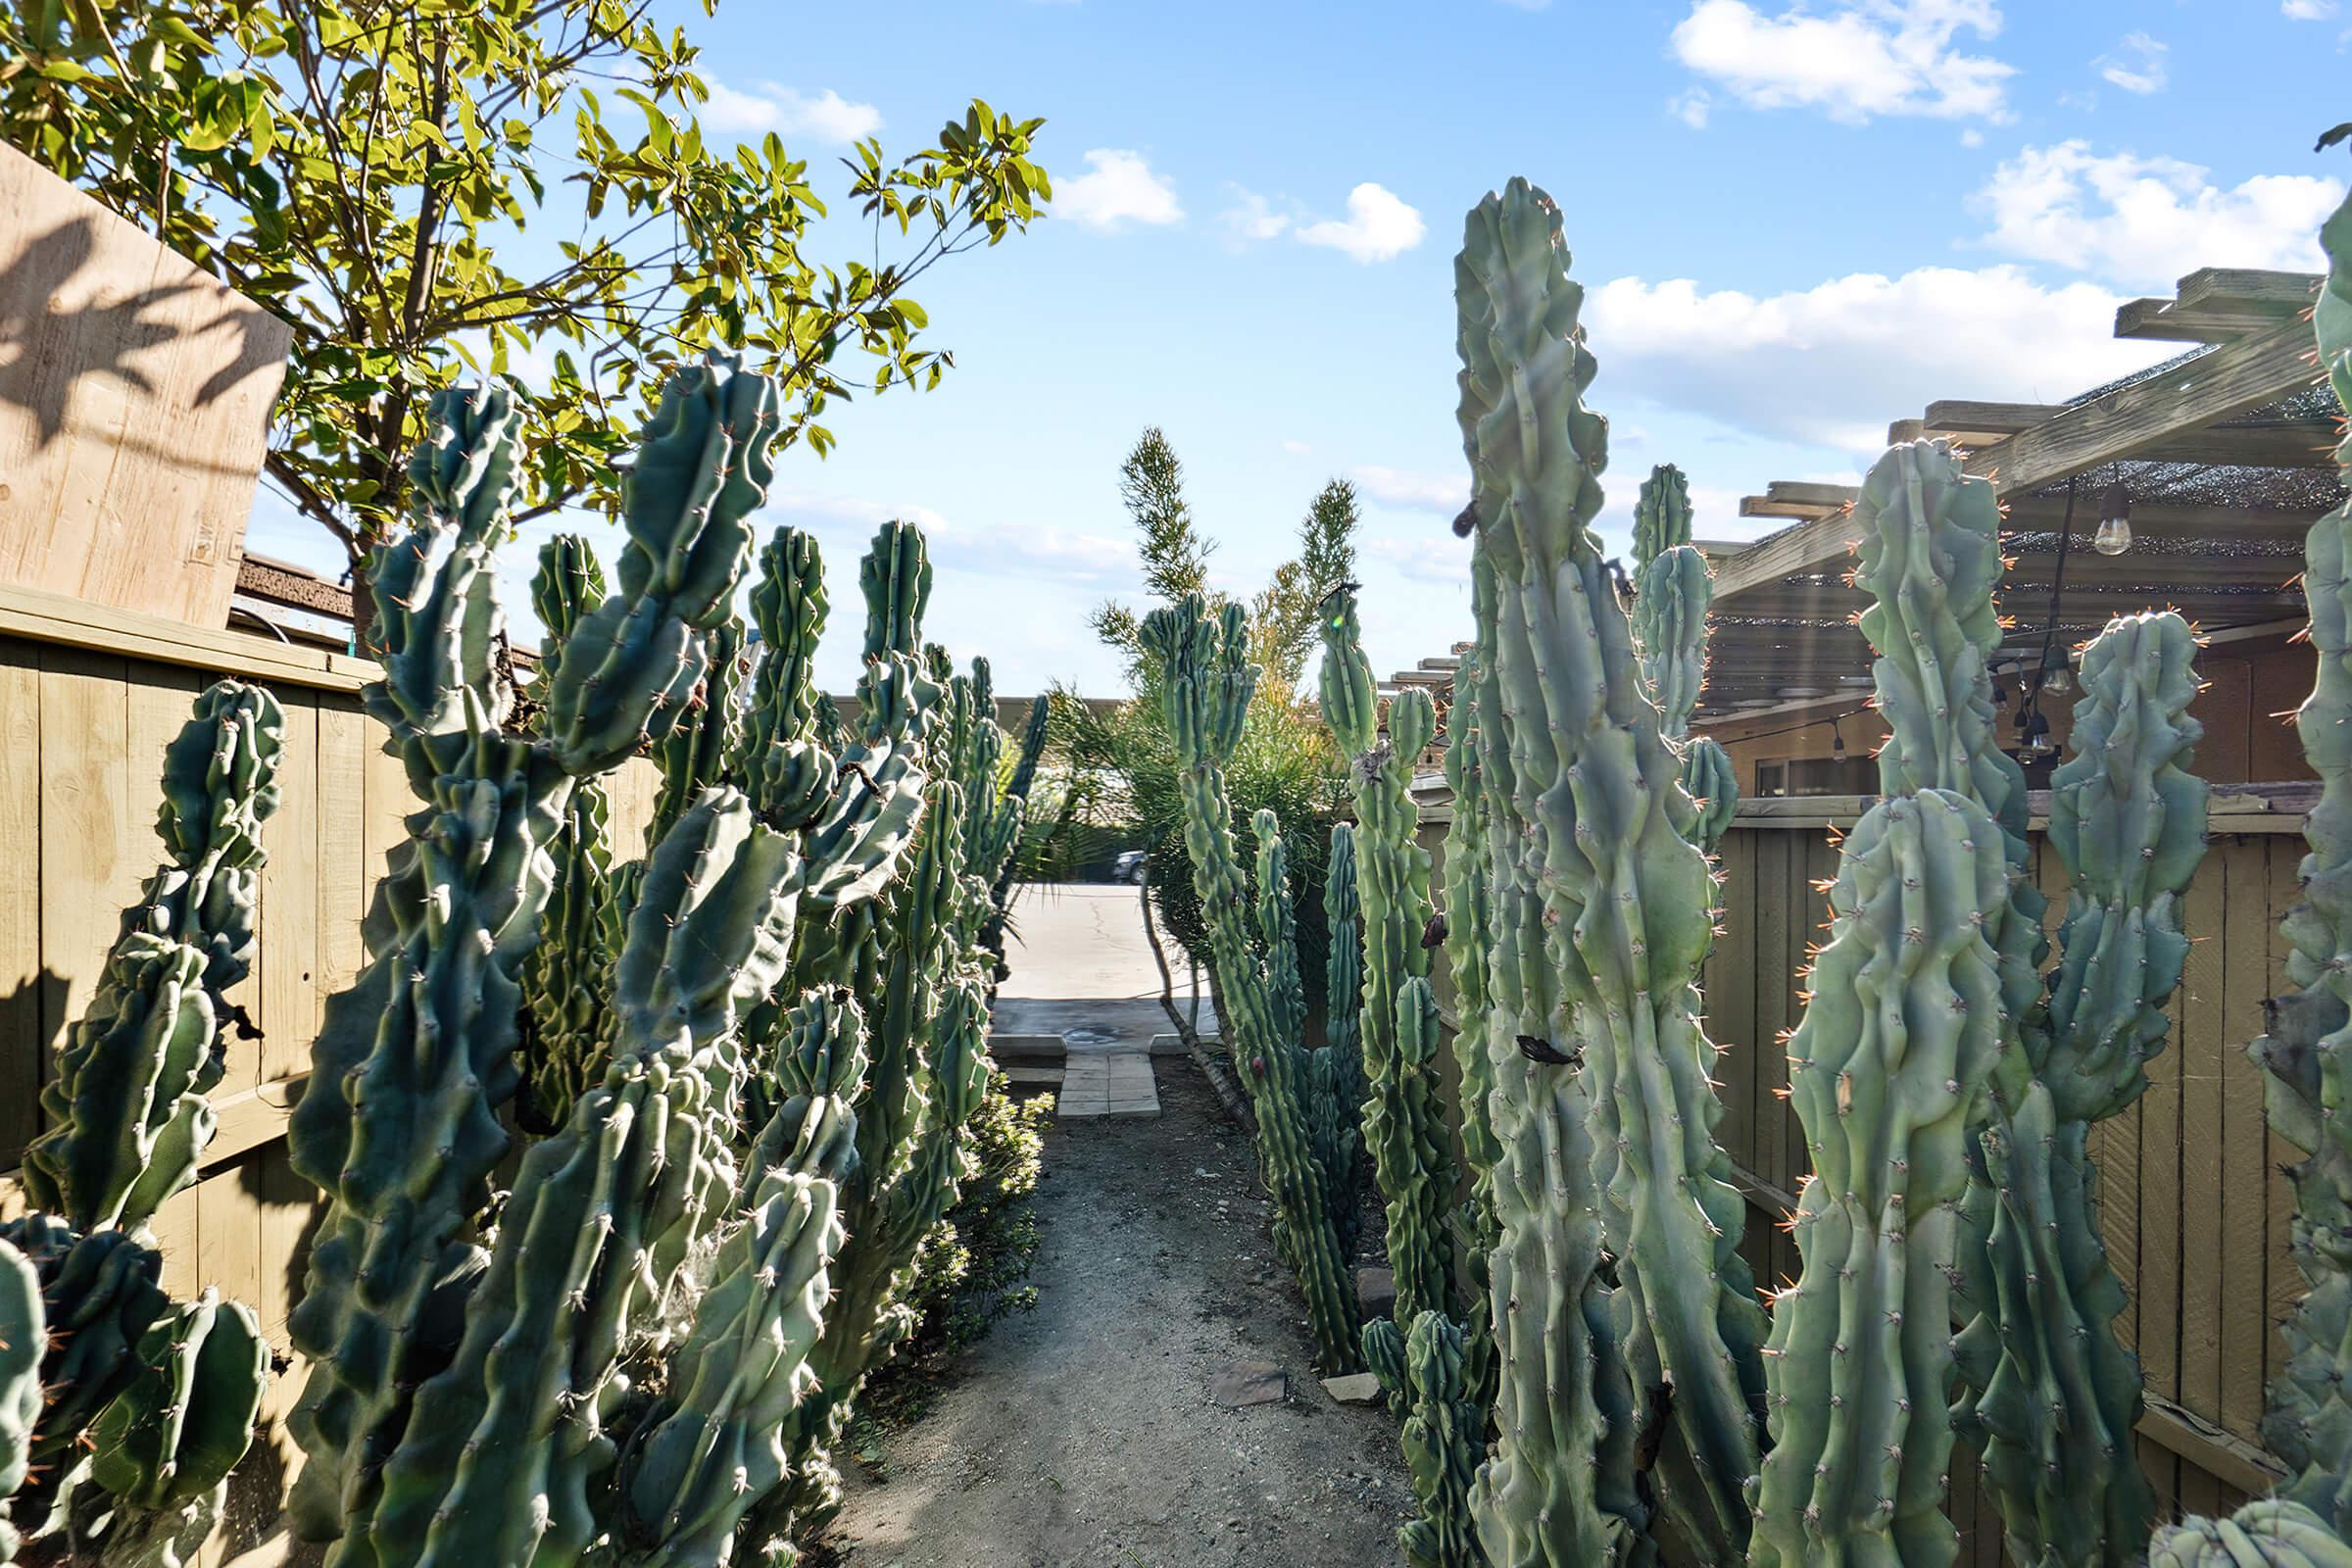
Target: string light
(2115, 521)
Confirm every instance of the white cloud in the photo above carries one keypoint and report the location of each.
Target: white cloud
(1692, 107)
(1043, 551)
(1832, 364)
(1435, 558)
(1972, 137)
(1379, 227)
(1117, 188)
(1250, 218)
(2307, 10)
(1868, 58)
(2148, 221)
(1297, 448)
(2136, 65)
(1446, 493)
(828, 116)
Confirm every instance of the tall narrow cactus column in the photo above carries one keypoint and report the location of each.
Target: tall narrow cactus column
(2308, 1049)
(1405, 1121)
(1603, 927)
(1206, 683)
(2128, 824)
(1885, 1072)
(1469, 918)
(1338, 1063)
(126, 1108)
(563, 980)
(400, 1122)
(1672, 589)
(2044, 1387)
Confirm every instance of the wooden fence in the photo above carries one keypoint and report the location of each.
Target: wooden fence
(2192, 1200)
(88, 698)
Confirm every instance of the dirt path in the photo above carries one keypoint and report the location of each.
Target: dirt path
(1084, 1432)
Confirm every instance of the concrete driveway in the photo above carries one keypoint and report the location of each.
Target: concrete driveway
(1081, 968)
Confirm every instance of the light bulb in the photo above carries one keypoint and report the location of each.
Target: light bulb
(2114, 522)
(2059, 682)
(1836, 744)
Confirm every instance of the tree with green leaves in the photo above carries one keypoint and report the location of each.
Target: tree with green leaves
(379, 175)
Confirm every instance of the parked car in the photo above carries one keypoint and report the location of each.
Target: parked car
(1128, 867)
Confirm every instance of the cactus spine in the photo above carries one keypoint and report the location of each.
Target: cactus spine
(1885, 1071)
(126, 1111)
(1672, 588)
(1602, 921)
(1207, 681)
(399, 1124)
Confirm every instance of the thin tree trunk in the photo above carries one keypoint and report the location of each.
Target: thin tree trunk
(1237, 1110)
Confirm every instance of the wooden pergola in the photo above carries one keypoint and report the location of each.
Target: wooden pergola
(2225, 453)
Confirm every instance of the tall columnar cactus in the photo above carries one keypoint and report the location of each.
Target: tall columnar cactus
(125, 1108)
(1336, 1098)
(564, 978)
(2128, 824)
(400, 1124)
(1602, 921)
(2046, 1390)
(1885, 1071)
(1444, 1437)
(2307, 1051)
(1672, 589)
(1207, 681)
(1469, 918)
(512, 1447)
(707, 740)
(1404, 1118)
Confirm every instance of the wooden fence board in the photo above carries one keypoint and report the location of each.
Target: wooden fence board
(20, 974)
(2244, 1211)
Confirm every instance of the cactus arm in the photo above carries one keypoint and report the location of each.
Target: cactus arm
(1206, 684)
(2307, 1051)
(1278, 929)
(1469, 916)
(125, 1110)
(508, 1444)
(1661, 515)
(186, 1418)
(24, 1337)
(705, 742)
(1885, 1072)
(2266, 1533)
(562, 980)
(1445, 1433)
(1337, 1064)
(400, 1121)
(1589, 809)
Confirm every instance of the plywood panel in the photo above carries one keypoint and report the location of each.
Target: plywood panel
(24, 1042)
(94, 849)
(132, 414)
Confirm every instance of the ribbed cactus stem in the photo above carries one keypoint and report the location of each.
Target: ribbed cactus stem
(2267, 1533)
(704, 744)
(1469, 918)
(1337, 1101)
(2054, 1423)
(125, 1108)
(563, 981)
(24, 1336)
(1661, 514)
(1207, 681)
(400, 1123)
(1404, 1119)
(1885, 1072)
(2308, 1050)
(1445, 1436)
(1601, 931)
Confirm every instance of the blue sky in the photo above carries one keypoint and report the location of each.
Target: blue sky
(1797, 223)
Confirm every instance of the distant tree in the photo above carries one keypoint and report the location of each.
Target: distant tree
(1285, 618)
(1174, 555)
(360, 167)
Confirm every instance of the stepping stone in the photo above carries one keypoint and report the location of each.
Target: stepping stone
(1010, 1048)
(1376, 1290)
(1107, 1083)
(1024, 1075)
(1356, 1388)
(1247, 1382)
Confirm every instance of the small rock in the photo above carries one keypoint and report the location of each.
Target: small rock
(1247, 1382)
(1376, 1290)
(1356, 1388)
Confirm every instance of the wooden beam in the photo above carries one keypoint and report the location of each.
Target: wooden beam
(2217, 303)
(79, 623)
(2235, 380)
(1963, 416)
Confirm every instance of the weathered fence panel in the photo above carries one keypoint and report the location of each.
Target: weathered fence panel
(82, 738)
(2192, 1198)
